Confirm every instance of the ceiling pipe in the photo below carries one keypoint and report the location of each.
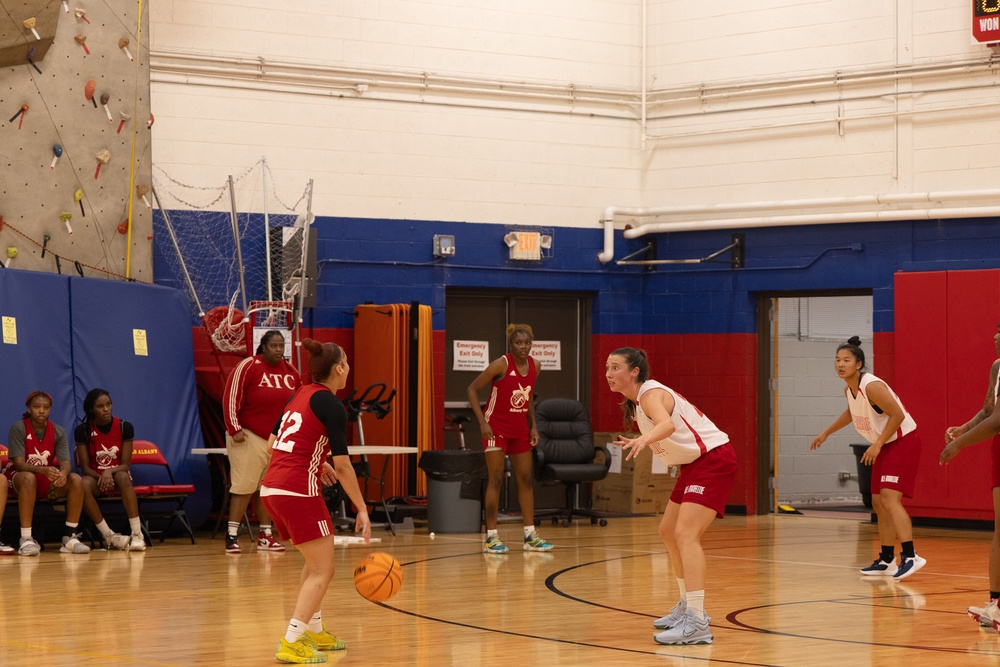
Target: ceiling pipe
(816, 219)
(607, 218)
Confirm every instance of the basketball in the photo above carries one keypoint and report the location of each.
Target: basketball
(378, 576)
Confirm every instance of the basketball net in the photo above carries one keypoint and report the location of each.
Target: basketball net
(230, 334)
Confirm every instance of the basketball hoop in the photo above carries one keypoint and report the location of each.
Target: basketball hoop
(267, 315)
(271, 314)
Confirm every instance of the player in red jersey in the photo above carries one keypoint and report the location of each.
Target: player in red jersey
(508, 428)
(255, 393)
(104, 454)
(309, 448)
(40, 466)
(680, 435)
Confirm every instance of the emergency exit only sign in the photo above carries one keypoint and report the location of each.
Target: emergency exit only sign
(986, 21)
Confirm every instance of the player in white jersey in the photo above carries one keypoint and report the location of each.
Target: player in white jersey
(989, 614)
(680, 434)
(880, 418)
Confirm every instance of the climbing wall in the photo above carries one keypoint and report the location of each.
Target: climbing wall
(75, 137)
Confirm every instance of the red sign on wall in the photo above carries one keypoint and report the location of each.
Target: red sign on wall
(986, 20)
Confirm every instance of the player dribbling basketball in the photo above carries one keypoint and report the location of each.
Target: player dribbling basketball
(312, 428)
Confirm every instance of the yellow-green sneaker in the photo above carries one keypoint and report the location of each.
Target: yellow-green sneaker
(534, 543)
(300, 651)
(325, 641)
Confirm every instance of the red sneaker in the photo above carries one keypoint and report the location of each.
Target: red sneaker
(266, 542)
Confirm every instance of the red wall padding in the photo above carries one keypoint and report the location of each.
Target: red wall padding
(945, 322)
(716, 372)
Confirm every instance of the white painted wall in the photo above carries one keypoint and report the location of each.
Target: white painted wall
(531, 112)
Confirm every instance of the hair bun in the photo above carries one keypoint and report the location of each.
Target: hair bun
(855, 340)
(312, 346)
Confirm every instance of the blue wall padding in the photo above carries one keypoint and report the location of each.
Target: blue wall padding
(155, 392)
(38, 304)
(74, 334)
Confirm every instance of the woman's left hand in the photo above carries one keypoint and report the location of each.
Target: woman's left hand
(868, 458)
(363, 525)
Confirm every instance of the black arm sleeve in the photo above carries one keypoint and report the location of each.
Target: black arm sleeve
(80, 434)
(128, 431)
(329, 410)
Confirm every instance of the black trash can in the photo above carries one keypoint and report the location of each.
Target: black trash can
(454, 490)
(864, 474)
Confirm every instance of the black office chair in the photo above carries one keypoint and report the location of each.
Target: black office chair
(565, 454)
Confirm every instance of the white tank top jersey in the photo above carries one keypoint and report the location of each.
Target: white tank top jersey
(695, 433)
(868, 423)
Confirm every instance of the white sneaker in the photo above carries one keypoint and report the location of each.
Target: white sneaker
(28, 547)
(138, 543)
(71, 544)
(116, 541)
(988, 615)
(7, 550)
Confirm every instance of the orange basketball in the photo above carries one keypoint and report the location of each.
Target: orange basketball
(378, 576)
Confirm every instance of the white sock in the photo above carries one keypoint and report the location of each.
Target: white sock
(696, 603)
(492, 533)
(26, 532)
(266, 529)
(104, 528)
(684, 590)
(316, 623)
(136, 525)
(234, 528)
(295, 630)
(528, 530)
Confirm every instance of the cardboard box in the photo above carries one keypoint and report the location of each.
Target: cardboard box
(631, 486)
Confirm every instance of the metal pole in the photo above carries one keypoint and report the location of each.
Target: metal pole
(236, 242)
(305, 250)
(267, 227)
(177, 249)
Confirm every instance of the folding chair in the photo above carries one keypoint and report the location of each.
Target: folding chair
(145, 452)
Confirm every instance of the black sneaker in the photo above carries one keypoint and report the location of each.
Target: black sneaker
(232, 544)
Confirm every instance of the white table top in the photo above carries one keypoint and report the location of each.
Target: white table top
(353, 450)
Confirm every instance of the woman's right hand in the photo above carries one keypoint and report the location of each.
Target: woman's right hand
(820, 439)
(486, 430)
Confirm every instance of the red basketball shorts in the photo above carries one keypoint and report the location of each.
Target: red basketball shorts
(995, 451)
(299, 518)
(508, 446)
(708, 479)
(895, 466)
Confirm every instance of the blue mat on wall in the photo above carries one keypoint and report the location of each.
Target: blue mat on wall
(74, 334)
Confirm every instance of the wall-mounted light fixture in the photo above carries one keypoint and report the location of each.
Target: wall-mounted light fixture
(511, 240)
(545, 242)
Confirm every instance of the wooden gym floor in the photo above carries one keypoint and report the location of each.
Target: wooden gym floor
(783, 590)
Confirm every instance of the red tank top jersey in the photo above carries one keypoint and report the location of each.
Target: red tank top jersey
(299, 449)
(507, 411)
(40, 453)
(105, 449)
(255, 393)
